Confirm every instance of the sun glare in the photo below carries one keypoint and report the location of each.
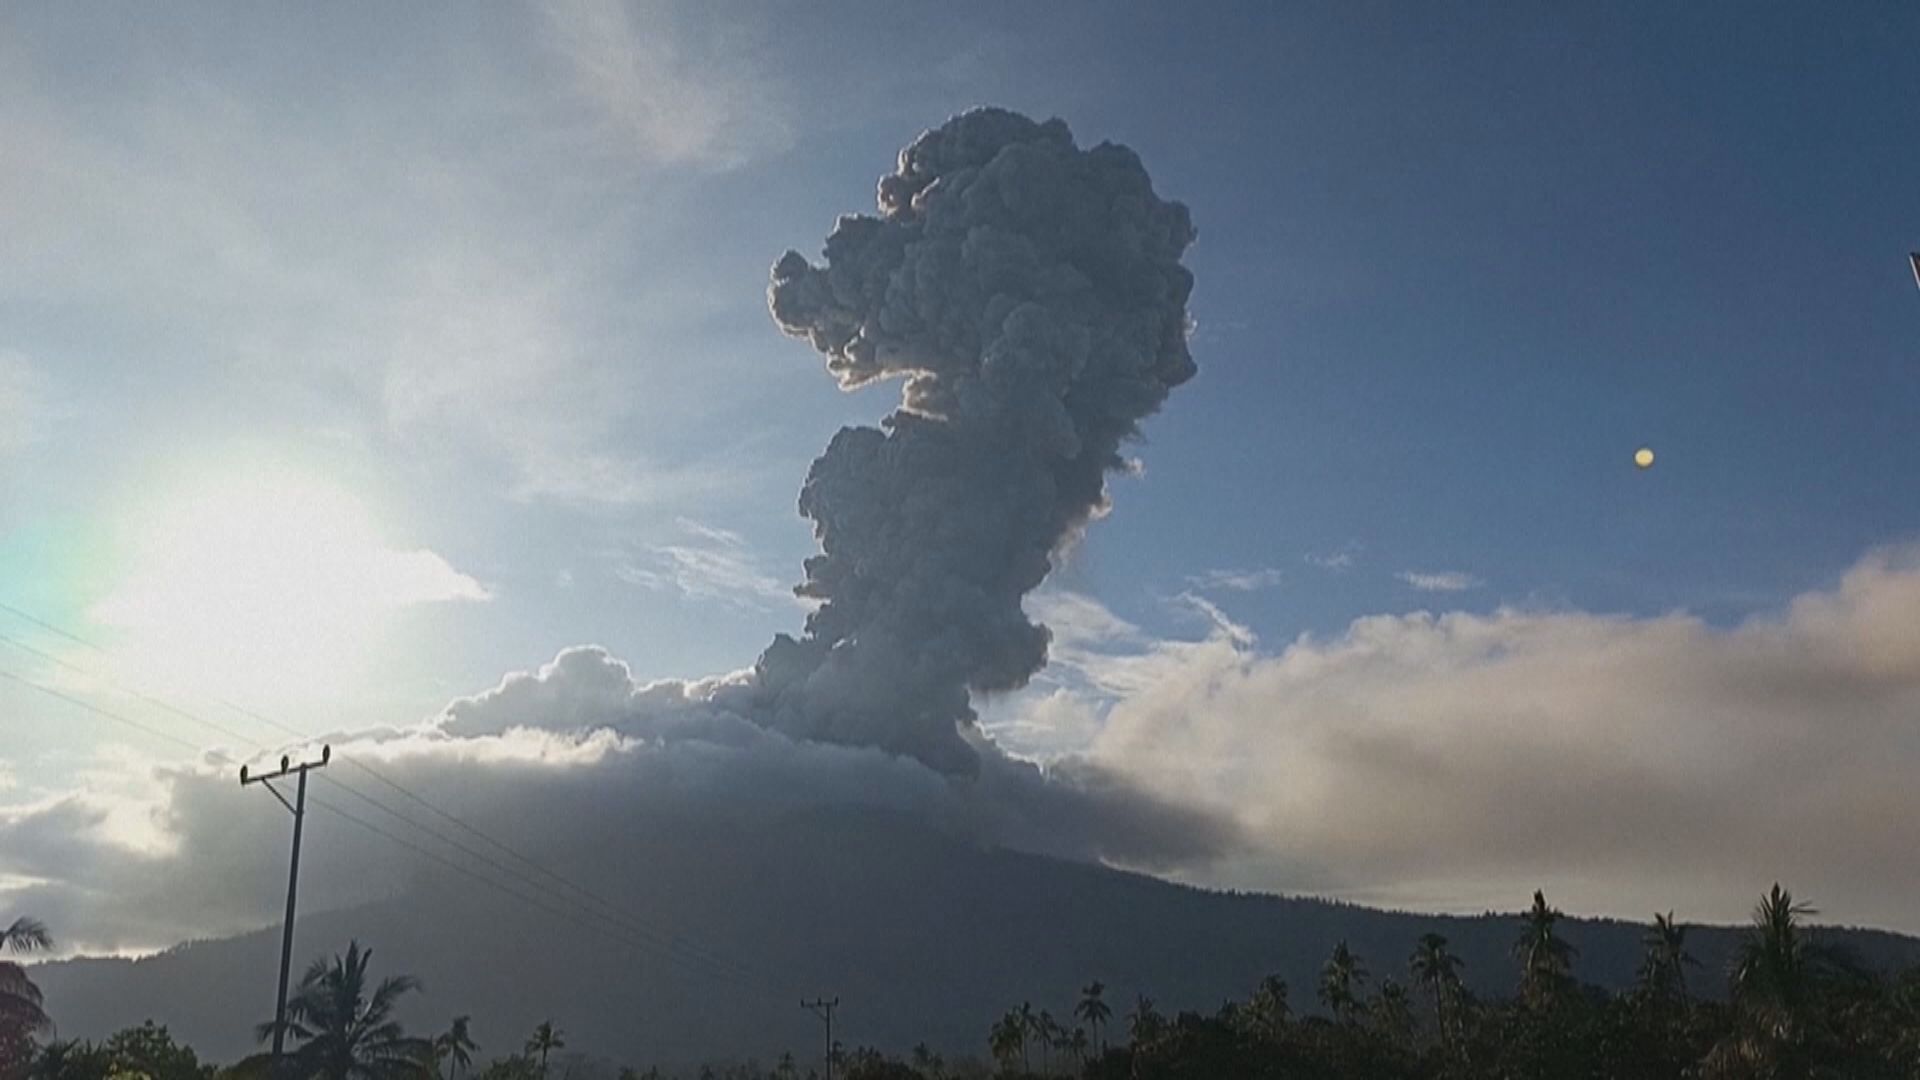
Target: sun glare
(271, 582)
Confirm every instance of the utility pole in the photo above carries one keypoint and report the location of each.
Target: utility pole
(823, 1008)
(298, 808)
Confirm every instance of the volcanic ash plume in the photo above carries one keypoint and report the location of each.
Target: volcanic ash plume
(1031, 294)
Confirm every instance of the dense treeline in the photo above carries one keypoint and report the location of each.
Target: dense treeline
(1792, 1007)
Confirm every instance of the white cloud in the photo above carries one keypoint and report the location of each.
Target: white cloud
(1052, 725)
(569, 758)
(1334, 560)
(1636, 763)
(712, 564)
(1440, 580)
(1250, 579)
(1455, 760)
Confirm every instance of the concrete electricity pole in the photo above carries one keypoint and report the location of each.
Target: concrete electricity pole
(298, 808)
(823, 1008)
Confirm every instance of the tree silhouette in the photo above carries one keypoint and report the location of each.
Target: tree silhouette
(1268, 1011)
(1008, 1039)
(21, 1013)
(1144, 1023)
(1029, 1025)
(454, 1046)
(1391, 1010)
(1078, 1044)
(1663, 971)
(1094, 1010)
(344, 1033)
(545, 1039)
(1797, 1010)
(1048, 1032)
(1340, 982)
(1775, 975)
(1433, 966)
(1546, 960)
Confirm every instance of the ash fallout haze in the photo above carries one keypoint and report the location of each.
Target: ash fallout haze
(1238, 530)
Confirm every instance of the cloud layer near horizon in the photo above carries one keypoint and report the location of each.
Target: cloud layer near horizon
(1458, 760)
(1440, 761)
(561, 762)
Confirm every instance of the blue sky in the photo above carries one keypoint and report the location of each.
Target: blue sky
(488, 287)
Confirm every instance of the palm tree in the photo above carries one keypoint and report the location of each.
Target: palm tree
(1029, 1025)
(545, 1039)
(1047, 1030)
(21, 1012)
(1546, 961)
(1078, 1044)
(1437, 969)
(346, 1034)
(1392, 1012)
(1095, 1011)
(1008, 1040)
(1340, 982)
(1267, 1011)
(1144, 1023)
(454, 1045)
(1774, 972)
(1663, 972)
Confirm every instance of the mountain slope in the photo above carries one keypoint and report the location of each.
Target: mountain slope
(921, 936)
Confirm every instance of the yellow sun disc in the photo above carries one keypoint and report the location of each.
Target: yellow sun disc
(1643, 457)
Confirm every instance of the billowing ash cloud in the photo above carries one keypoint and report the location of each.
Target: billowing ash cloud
(1031, 294)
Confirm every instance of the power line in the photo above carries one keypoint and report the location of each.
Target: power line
(823, 1008)
(659, 940)
(612, 928)
(530, 900)
(592, 898)
(108, 713)
(299, 810)
(618, 913)
(153, 701)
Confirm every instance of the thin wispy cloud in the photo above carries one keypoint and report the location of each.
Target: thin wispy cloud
(710, 564)
(1251, 579)
(403, 291)
(1332, 560)
(670, 99)
(1447, 581)
(589, 479)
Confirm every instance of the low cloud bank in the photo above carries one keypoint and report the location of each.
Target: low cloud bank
(558, 763)
(1449, 761)
(1459, 760)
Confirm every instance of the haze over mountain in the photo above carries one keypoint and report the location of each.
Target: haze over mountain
(922, 936)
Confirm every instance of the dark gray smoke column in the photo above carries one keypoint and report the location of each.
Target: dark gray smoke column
(1031, 294)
